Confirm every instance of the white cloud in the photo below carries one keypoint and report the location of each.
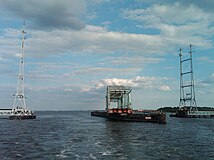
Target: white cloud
(3, 59)
(85, 89)
(115, 81)
(206, 5)
(164, 88)
(192, 25)
(151, 83)
(176, 22)
(136, 60)
(206, 59)
(139, 82)
(104, 70)
(204, 90)
(68, 90)
(209, 80)
(168, 14)
(94, 39)
(9, 43)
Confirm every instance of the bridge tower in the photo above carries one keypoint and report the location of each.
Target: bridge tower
(187, 86)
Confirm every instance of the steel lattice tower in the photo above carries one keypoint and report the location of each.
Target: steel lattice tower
(19, 102)
(187, 89)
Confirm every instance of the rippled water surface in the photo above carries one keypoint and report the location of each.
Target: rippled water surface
(77, 135)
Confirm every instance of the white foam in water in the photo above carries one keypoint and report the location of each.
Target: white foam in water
(18, 155)
(77, 156)
(98, 143)
(92, 156)
(61, 156)
(107, 153)
(63, 153)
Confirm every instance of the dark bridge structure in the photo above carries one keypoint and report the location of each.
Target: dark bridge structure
(187, 104)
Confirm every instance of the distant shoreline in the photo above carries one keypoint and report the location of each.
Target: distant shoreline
(174, 109)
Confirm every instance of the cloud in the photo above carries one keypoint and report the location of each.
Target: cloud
(91, 39)
(96, 40)
(151, 83)
(115, 81)
(92, 94)
(104, 71)
(192, 25)
(9, 43)
(95, 87)
(48, 14)
(135, 60)
(3, 59)
(176, 22)
(164, 88)
(209, 80)
(205, 88)
(206, 5)
(205, 59)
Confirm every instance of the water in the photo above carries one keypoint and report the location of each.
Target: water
(76, 136)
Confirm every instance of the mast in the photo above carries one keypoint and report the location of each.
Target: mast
(193, 102)
(19, 102)
(187, 87)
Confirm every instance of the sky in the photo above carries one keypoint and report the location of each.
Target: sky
(75, 48)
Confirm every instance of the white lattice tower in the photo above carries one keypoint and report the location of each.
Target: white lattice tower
(19, 101)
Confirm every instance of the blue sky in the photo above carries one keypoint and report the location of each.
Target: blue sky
(75, 48)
